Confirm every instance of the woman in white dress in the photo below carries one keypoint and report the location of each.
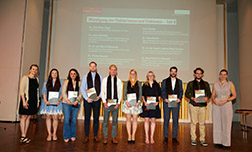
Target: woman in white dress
(222, 96)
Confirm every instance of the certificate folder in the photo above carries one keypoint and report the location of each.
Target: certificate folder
(53, 97)
(172, 98)
(131, 97)
(151, 101)
(200, 94)
(111, 102)
(92, 93)
(72, 96)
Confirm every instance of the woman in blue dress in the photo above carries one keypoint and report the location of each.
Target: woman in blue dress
(52, 110)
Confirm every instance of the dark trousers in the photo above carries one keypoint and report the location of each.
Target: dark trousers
(96, 113)
(175, 116)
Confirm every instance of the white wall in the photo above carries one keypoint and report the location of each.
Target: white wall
(13, 61)
(11, 30)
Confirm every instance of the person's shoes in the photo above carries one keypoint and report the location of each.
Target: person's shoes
(133, 141)
(25, 140)
(193, 143)
(165, 140)
(55, 137)
(49, 138)
(66, 140)
(175, 141)
(96, 139)
(73, 139)
(225, 147)
(114, 141)
(218, 145)
(86, 140)
(105, 141)
(203, 143)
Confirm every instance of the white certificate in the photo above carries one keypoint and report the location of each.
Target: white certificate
(72, 96)
(112, 102)
(53, 97)
(151, 99)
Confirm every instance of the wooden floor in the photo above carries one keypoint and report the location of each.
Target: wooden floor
(37, 132)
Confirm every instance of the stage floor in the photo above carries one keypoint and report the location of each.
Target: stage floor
(37, 132)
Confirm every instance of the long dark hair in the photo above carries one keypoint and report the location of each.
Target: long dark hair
(57, 83)
(77, 79)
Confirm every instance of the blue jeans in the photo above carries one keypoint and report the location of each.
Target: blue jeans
(175, 116)
(70, 112)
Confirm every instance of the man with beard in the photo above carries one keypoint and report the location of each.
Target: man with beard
(198, 91)
(91, 81)
(171, 92)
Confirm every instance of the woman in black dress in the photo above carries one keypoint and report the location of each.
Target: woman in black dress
(150, 89)
(29, 92)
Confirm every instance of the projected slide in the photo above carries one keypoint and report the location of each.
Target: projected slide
(142, 38)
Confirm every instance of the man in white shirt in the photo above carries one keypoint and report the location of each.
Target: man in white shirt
(111, 94)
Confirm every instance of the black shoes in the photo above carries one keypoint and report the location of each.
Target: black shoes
(175, 141)
(218, 145)
(131, 141)
(221, 146)
(166, 141)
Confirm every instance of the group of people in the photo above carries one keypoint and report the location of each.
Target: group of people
(138, 100)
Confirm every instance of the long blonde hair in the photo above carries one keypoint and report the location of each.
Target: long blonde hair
(147, 79)
(133, 82)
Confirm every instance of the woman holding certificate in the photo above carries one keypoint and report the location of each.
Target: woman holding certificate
(29, 102)
(132, 95)
(151, 97)
(71, 103)
(51, 105)
(222, 96)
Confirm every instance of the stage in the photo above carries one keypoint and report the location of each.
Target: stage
(37, 132)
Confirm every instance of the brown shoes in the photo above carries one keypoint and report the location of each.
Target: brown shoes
(105, 141)
(96, 139)
(85, 140)
(114, 141)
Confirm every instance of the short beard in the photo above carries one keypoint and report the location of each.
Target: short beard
(173, 76)
(198, 78)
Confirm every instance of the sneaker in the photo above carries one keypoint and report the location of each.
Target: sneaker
(193, 143)
(203, 143)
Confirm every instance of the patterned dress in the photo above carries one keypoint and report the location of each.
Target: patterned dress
(49, 109)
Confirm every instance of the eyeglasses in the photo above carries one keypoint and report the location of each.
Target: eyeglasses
(198, 73)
